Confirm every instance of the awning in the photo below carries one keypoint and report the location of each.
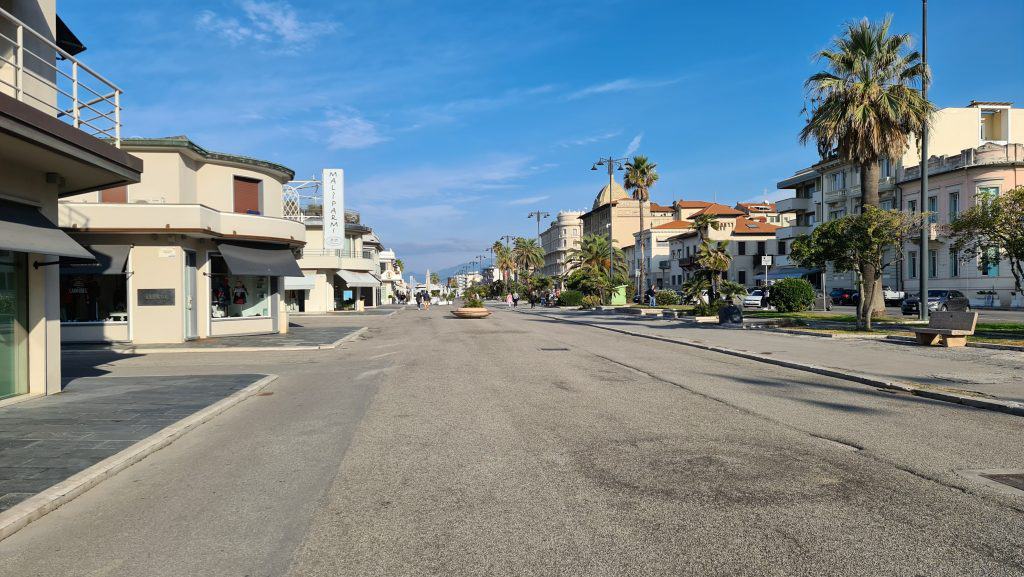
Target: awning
(300, 283)
(358, 279)
(790, 273)
(24, 229)
(245, 260)
(107, 259)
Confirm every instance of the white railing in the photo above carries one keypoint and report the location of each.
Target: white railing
(37, 72)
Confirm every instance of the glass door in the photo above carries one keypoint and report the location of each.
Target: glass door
(191, 306)
(13, 324)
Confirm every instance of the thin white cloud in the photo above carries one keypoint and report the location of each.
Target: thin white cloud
(454, 110)
(492, 173)
(265, 21)
(589, 139)
(349, 130)
(634, 145)
(527, 200)
(771, 196)
(620, 85)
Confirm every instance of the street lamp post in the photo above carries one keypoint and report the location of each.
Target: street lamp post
(537, 214)
(924, 260)
(610, 163)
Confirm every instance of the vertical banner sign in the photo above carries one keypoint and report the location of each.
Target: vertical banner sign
(334, 208)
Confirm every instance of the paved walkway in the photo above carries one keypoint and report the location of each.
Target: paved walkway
(44, 441)
(992, 372)
(297, 336)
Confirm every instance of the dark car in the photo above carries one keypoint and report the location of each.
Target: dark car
(841, 296)
(938, 300)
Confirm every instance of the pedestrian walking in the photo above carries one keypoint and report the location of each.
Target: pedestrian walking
(508, 299)
(426, 300)
(652, 297)
(515, 299)
(419, 301)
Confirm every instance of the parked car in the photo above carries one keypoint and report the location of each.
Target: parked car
(755, 299)
(938, 300)
(688, 301)
(892, 296)
(842, 296)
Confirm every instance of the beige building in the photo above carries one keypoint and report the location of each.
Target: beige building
(615, 207)
(955, 182)
(749, 240)
(391, 284)
(558, 239)
(836, 184)
(766, 210)
(657, 253)
(337, 279)
(52, 146)
(196, 249)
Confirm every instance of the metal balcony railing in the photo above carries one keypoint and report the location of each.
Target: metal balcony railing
(34, 70)
(340, 253)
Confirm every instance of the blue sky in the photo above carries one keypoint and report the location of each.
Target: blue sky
(453, 120)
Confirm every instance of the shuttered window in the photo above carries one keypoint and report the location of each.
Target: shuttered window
(247, 195)
(117, 194)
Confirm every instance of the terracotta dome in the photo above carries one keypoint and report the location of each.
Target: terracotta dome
(617, 193)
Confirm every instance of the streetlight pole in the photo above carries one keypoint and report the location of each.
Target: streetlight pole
(610, 163)
(537, 214)
(925, 260)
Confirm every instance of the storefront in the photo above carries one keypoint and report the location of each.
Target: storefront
(244, 286)
(355, 290)
(296, 291)
(94, 295)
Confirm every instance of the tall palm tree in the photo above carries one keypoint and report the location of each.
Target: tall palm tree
(503, 260)
(641, 175)
(714, 257)
(593, 251)
(866, 106)
(399, 265)
(528, 255)
(703, 223)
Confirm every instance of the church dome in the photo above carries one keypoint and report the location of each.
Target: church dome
(617, 193)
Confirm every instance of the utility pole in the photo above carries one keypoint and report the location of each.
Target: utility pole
(538, 215)
(924, 260)
(611, 163)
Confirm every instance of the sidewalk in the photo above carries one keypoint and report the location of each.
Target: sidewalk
(990, 372)
(44, 441)
(298, 338)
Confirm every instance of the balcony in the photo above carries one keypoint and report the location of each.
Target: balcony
(34, 70)
(793, 231)
(192, 219)
(338, 259)
(795, 205)
(934, 234)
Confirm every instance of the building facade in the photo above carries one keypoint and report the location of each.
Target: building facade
(657, 253)
(51, 148)
(956, 182)
(336, 279)
(749, 241)
(615, 211)
(198, 248)
(558, 240)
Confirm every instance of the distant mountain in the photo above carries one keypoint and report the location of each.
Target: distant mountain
(443, 273)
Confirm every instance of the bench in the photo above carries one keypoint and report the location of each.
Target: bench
(950, 329)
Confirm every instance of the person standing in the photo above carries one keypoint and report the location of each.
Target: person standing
(419, 301)
(515, 299)
(652, 300)
(426, 300)
(508, 299)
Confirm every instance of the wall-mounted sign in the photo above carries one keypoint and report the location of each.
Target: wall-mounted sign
(766, 260)
(156, 297)
(334, 208)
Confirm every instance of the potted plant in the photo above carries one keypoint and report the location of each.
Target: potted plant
(472, 308)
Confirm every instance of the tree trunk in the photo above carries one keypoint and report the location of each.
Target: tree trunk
(869, 175)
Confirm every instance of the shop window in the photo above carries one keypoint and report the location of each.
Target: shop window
(93, 298)
(13, 324)
(247, 195)
(236, 296)
(118, 194)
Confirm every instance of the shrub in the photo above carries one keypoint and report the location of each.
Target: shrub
(703, 309)
(591, 301)
(666, 297)
(791, 295)
(570, 298)
(472, 301)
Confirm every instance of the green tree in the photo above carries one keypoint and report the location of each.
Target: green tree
(527, 254)
(791, 295)
(866, 106)
(503, 260)
(641, 175)
(435, 279)
(588, 265)
(399, 265)
(704, 224)
(858, 242)
(991, 231)
(715, 259)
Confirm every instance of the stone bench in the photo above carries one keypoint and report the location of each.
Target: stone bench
(949, 329)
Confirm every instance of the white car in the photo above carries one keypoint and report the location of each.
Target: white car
(753, 300)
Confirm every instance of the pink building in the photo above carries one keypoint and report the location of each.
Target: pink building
(954, 182)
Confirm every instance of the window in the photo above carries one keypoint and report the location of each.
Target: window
(761, 247)
(887, 204)
(782, 247)
(742, 278)
(954, 205)
(837, 180)
(741, 246)
(836, 214)
(990, 262)
(234, 296)
(954, 263)
(885, 167)
(912, 264)
(93, 298)
(247, 195)
(933, 209)
(988, 192)
(933, 259)
(912, 206)
(118, 194)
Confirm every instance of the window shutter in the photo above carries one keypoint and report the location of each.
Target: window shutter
(117, 194)
(247, 195)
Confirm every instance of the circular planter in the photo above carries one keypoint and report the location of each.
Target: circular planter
(471, 313)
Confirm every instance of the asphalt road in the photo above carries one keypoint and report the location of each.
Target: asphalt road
(520, 445)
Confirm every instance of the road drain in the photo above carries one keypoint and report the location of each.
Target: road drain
(553, 349)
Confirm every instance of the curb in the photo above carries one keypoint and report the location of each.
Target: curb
(37, 506)
(935, 393)
(144, 351)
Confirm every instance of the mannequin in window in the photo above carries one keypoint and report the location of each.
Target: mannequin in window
(239, 294)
